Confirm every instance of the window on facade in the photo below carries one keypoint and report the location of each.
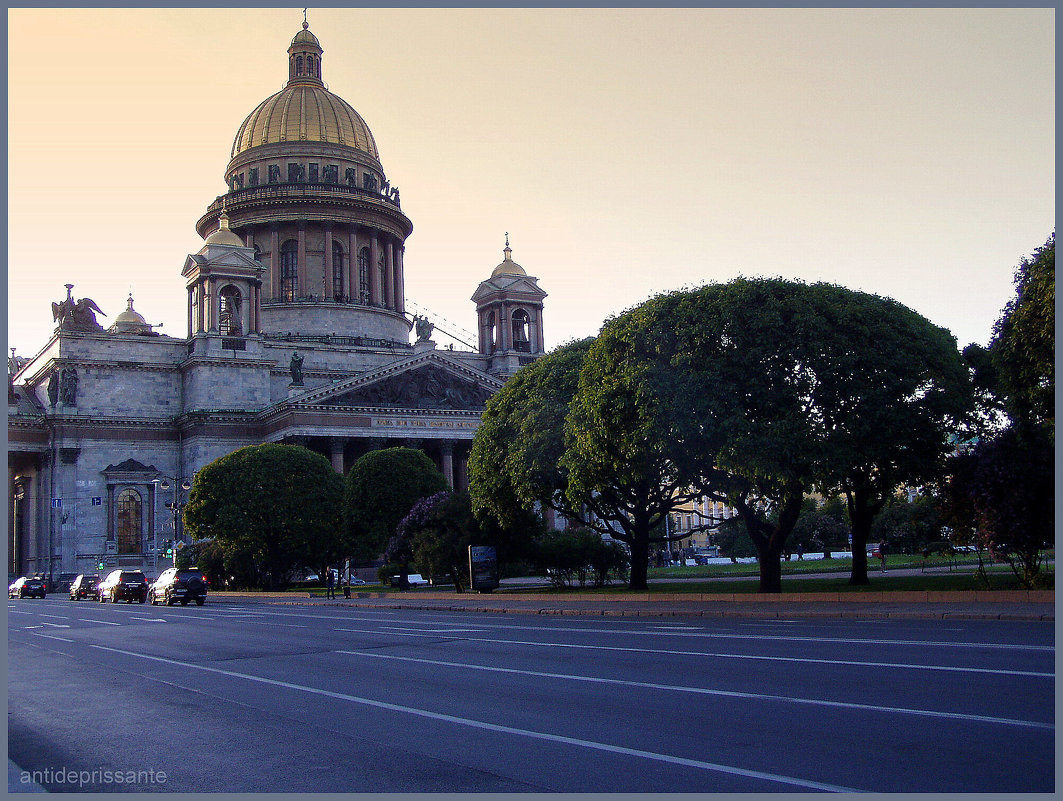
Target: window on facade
(310, 66)
(312, 174)
(337, 271)
(128, 522)
(520, 331)
(289, 270)
(229, 311)
(298, 65)
(363, 276)
(274, 173)
(252, 176)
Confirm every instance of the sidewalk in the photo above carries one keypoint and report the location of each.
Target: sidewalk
(1004, 605)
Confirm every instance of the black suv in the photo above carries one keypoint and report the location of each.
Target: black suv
(124, 585)
(85, 586)
(33, 587)
(182, 584)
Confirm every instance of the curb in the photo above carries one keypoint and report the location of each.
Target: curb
(736, 611)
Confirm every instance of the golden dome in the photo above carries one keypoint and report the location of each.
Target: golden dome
(508, 266)
(130, 321)
(304, 110)
(304, 113)
(305, 37)
(223, 236)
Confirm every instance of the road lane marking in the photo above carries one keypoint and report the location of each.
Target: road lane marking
(1033, 724)
(50, 636)
(56, 625)
(495, 727)
(149, 619)
(432, 631)
(58, 617)
(104, 622)
(809, 660)
(271, 623)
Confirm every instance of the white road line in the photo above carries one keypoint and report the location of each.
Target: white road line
(60, 617)
(149, 619)
(50, 636)
(710, 654)
(104, 622)
(478, 724)
(271, 623)
(724, 693)
(432, 631)
(57, 625)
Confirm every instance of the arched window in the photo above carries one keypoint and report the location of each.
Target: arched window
(520, 331)
(129, 522)
(298, 65)
(289, 270)
(310, 66)
(489, 332)
(382, 266)
(229, 311)
(363, 276)
(337, 271)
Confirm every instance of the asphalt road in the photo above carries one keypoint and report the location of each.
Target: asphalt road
(264, 698)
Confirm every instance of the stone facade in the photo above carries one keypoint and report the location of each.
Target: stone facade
(297, 333)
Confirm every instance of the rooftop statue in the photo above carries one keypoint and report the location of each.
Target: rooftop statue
(424, 328)
(79, 316)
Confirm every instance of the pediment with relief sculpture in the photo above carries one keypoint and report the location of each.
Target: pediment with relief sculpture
(429, 386)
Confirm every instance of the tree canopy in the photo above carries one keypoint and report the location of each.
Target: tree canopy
(278, 505)
(381, 488)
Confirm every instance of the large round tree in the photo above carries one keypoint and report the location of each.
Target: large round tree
(759, 391)
(381, 488)
(280, 504)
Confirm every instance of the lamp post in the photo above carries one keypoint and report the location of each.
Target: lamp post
(166, 483)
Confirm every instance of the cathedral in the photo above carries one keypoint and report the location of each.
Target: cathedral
(297, 332)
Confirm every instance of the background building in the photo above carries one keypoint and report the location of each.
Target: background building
(298, 332)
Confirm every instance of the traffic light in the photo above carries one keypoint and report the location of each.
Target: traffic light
(99, 566)
(169, 548)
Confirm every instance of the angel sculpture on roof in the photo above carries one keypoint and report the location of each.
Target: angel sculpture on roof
(76, 316)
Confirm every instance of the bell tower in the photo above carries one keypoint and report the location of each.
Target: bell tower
(509, 316)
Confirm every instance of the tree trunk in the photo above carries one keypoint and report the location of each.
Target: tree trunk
(770, 568)
(640, 554)
(860, 516)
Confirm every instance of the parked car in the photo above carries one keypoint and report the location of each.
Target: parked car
(182, 584)
(124, 585)
(33, 587)
(357, 581)
(62, 582)
(85, 586)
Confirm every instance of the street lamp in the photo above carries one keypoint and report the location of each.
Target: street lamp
(167, 483)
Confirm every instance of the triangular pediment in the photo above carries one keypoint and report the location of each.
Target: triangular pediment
(130, 466)
(522, 287)
(215, 258)
(428, 381)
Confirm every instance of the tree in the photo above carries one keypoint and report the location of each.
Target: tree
(515, 462)
(381, 488)
(278, 505)
(1005, 487)
(1023, 348)
(436, 534)
(760, 390)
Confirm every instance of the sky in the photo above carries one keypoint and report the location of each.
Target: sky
(905, 152)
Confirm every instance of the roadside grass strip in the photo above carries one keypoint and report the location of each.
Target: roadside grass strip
(793, 781)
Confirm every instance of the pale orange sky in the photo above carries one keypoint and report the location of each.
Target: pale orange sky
(910, 153)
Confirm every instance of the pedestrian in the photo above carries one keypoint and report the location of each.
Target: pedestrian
(882, 553)
(800, 552)
(330, 585)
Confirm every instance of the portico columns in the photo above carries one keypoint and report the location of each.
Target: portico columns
(336, 453)
(446, 449)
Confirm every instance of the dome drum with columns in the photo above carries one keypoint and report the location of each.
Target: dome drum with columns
(309, 196)
(297, 333)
